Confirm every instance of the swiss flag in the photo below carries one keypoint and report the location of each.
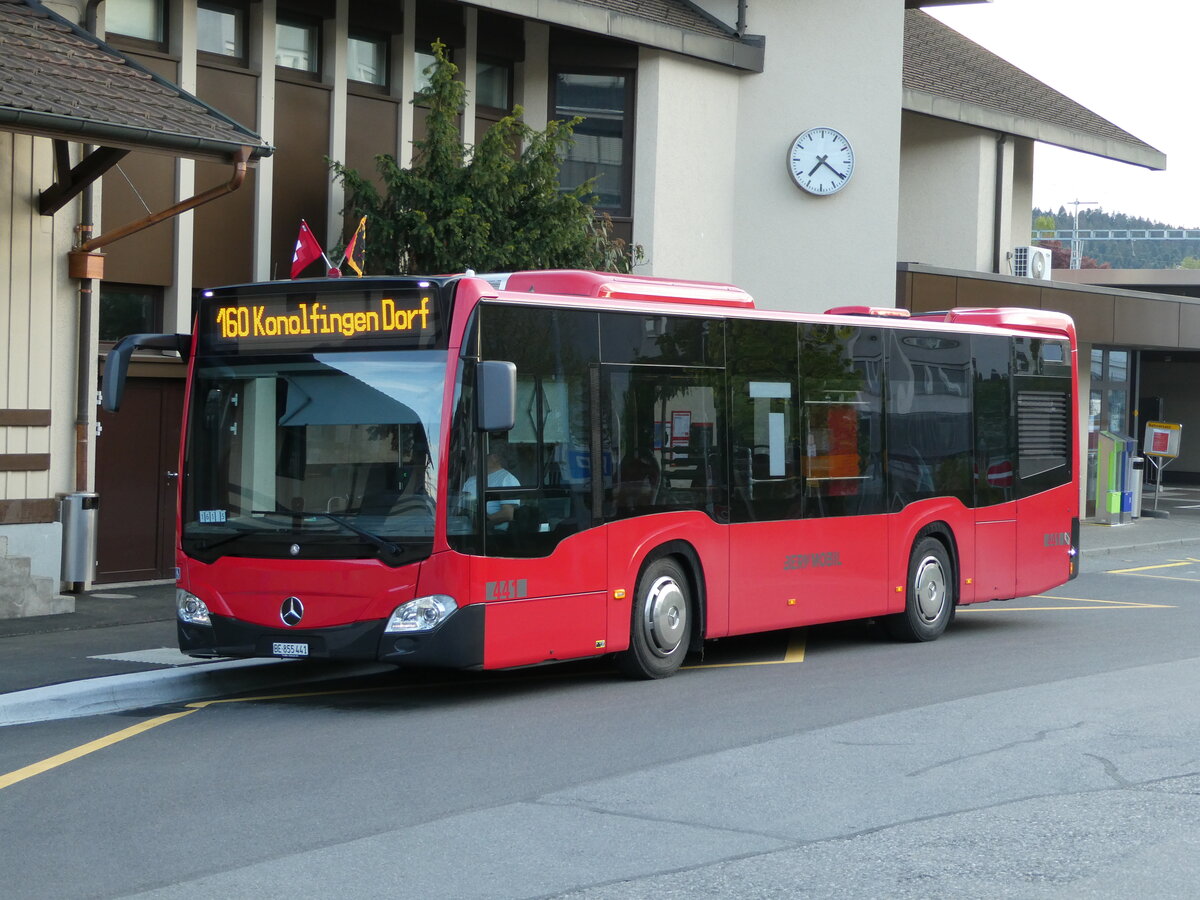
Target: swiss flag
(307, 249)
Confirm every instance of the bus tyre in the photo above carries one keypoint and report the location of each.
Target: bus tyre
(929, 604)
(661, 622)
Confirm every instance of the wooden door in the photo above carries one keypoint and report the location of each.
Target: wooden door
(137, 456)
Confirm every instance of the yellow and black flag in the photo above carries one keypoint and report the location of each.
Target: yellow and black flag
(356, 250)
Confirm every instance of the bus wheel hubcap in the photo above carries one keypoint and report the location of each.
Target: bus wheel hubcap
(930, 587)
(666, 616)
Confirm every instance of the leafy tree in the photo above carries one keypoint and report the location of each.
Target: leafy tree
(1044, 223)
(1190, 262)
(498, 207)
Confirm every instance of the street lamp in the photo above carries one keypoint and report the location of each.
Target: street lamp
(1076, 243)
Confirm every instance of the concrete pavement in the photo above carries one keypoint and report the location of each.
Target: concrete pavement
(117, 651)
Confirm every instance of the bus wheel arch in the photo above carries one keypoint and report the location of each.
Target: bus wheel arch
(931, 586)
(666, 614)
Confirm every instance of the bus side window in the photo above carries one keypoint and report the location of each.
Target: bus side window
(764, 421)
(841, 370)
(929, 442)
(555, 352)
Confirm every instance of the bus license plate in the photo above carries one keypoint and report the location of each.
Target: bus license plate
(282, 649)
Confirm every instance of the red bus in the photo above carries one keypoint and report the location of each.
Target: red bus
(505, 471)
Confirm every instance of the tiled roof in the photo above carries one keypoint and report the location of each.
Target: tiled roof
(57, 79)
(941, 62)
(666, 12)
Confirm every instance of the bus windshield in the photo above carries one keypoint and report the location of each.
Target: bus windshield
(325, 456)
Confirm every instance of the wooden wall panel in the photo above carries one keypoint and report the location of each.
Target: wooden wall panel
(35, 335)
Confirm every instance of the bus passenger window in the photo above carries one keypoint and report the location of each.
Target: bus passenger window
(842, 374)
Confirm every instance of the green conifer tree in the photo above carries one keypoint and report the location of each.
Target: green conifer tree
(497, 207)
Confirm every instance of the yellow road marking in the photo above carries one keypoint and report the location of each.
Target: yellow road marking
(91, 747)
(1103, 604)
(134, 730)
(1157, 577)
(1170, 565)
(1138, 570)
(794, 654)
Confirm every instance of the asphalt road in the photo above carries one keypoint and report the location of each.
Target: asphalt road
(1046, 747)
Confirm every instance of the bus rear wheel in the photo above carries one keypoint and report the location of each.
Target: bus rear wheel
(929, 603)
(660, 628)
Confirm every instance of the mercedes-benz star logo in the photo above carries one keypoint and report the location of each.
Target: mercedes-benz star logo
(292, 611)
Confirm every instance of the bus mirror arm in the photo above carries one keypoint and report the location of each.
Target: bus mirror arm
(116, 364)
(496, 389)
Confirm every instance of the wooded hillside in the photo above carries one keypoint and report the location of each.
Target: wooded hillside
(1131, 254)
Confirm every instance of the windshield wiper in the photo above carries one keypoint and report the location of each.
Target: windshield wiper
(380, 542)
(226, 538)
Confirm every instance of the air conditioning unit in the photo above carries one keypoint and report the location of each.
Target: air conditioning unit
(1031, 262)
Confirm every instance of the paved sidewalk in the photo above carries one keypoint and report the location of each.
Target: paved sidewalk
(117, 651)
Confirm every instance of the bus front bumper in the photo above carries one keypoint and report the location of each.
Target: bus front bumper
(457, 643)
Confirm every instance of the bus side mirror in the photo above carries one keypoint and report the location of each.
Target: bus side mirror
(496, 393)
(116, 364)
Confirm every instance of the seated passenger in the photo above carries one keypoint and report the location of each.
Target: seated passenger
(499, 512)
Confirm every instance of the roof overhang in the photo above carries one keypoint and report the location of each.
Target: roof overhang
(67, 128)
(745, 52)
(980, 116)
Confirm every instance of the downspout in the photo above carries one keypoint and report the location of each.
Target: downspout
(741, 18)
(998, 205)
(87, 265)
(240, 164)
(85, 402)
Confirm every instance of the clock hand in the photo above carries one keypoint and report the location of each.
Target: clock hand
(829, 167)
(820, 162)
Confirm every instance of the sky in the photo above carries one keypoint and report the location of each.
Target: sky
(1135, 64)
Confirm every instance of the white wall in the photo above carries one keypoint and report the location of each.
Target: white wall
(947, 194)
(1022, 195)
(685, 155)
(838, 64)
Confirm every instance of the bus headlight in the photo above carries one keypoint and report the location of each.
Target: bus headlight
(191, 609)
(422, 614)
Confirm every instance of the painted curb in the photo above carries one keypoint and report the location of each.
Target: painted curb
(139, 690)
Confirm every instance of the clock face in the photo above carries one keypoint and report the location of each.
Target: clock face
(821, 160)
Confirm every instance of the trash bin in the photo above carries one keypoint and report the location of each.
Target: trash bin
(1137, 466)
(79, 512)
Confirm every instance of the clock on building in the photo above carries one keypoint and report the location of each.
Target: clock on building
(821, 160)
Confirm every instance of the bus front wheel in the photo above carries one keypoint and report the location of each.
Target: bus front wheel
(660, 628)
(929, 603)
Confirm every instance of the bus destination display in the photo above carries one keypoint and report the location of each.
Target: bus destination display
(402, 318)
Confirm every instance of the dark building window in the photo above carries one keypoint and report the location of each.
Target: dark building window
(603, 147)
(367, 59)
(143, 19)
(221, 30)
(297, 45)
(129, 309)
(493, 85)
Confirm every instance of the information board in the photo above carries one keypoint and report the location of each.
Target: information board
(1162, 440)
